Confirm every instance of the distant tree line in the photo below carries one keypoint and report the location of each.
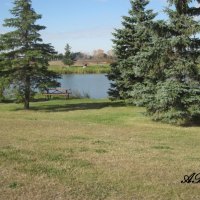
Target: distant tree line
(98, 56)
(158, 61)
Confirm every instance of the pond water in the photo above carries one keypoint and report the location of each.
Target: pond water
(95, 85)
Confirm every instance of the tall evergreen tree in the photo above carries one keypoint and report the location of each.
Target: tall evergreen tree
(177, 96)
(129, 41)
(23, 56)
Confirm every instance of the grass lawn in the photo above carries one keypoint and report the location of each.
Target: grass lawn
(94, 149)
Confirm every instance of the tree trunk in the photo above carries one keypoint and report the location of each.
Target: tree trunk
(27, 93)
(26, 103)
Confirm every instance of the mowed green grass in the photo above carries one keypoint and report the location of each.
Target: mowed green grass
(94, 149)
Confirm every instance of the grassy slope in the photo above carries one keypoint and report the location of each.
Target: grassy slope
(94, 149)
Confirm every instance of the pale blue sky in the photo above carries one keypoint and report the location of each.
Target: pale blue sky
(84, 24)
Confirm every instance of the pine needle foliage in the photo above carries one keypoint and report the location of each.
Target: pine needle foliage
(177, 96)
(129, 41)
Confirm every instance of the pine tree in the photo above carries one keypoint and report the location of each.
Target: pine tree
(130, 40)
(67, 58)
(23, 56)
(177, 96)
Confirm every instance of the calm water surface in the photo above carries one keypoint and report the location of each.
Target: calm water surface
(96, 85)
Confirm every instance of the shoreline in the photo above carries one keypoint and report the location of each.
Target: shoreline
(104, 69)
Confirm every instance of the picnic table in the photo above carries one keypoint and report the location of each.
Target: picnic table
(49, 92)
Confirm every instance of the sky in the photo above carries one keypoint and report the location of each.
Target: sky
(85, 25)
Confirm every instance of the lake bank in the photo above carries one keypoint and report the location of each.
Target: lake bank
(94, 86)
(95, 69)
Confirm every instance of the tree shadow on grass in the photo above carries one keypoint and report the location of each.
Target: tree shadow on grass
(75, 106)
(195, 122)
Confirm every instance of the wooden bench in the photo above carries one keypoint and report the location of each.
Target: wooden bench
(49, 92)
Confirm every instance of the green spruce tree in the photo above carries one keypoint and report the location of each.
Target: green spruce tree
(177, 96)
(129, 41)
(68, 57)
(149, 64)
(23, 56)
